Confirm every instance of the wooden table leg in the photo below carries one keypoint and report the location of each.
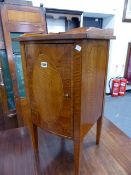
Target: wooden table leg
(77, 157)
(98, 130)
(34, 137)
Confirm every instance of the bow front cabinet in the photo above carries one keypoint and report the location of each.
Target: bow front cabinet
(65, 76)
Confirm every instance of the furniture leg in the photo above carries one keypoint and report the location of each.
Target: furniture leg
(34, 137)
(98, 130)
(77, 157)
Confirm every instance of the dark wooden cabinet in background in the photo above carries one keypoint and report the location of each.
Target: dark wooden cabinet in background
(127, 73)
(17, 18)
(65, 77)
(59, 20)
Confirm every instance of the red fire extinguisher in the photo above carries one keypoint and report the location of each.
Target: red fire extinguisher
(122, 90)
(115, 87)
(118, 87)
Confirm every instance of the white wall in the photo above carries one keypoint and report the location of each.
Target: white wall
(104, 6)
(122, 31)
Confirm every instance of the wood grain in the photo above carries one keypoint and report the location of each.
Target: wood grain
(77, 33)
(127, 64)
(30, 20)
(66, 95)
(51, 97)
(112, 157)
(77, 74)
(94, 66)
(23, 16)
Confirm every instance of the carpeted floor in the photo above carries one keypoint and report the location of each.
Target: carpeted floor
(118, 110)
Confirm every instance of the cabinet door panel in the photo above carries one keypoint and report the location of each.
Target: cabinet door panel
(49, 71)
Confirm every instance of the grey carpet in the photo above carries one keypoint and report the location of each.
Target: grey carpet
(118, 110)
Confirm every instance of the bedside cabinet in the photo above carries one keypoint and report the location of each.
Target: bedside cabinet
(65, 76)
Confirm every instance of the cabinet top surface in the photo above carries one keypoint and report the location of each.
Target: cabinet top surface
(73, 34)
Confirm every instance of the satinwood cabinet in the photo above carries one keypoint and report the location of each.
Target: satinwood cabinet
(65, 77)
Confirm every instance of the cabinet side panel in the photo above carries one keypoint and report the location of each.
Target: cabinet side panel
(94, 68)
(25, 103)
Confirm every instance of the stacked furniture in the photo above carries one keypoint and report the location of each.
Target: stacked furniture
(17, 17)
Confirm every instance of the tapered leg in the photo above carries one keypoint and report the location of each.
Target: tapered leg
(77, 157)
(98, 130)
(34, 137)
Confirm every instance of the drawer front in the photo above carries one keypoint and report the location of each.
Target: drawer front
(49, 73)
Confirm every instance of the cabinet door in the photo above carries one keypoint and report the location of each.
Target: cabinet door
(49, 72)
